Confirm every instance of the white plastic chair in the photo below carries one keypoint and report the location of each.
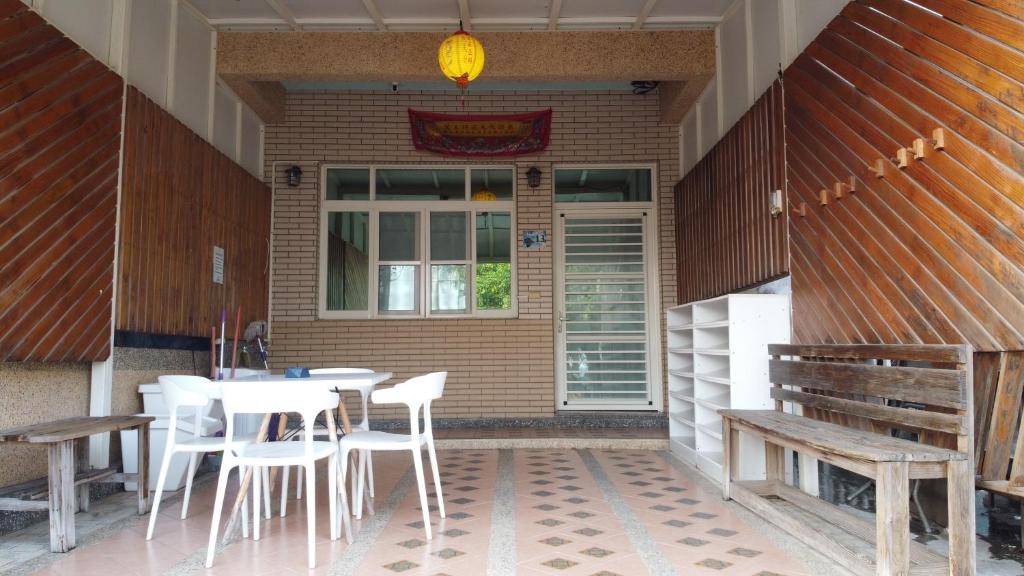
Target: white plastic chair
(308, 399)
(364, 389)
(416, 393)
(183, 392)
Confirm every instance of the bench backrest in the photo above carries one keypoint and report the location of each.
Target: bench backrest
(924, 389)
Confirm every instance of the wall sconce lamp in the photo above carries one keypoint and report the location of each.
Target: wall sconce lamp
(775, 203)
(533, 177)
(294, 176)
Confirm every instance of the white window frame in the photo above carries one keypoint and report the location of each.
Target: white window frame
(424, 207)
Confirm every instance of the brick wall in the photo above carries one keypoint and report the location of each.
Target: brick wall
(497, 368)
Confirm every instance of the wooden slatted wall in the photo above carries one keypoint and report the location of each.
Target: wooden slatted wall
(180, 198)
(726, 237)
(933, 252)
(60, 117)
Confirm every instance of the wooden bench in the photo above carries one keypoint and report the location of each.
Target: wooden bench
(63, 439)
(851, 400)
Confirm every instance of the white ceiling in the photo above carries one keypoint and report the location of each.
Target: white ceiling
(409, 15)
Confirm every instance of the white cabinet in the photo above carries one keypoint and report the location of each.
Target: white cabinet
(718, 358)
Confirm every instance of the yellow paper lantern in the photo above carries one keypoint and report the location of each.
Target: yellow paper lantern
(461, 58)
(483, 195)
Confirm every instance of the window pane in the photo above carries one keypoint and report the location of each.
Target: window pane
(497, 181)
(448, 236)
(399, 234)
(448, 288)
(603, 185)
(348, 184)
(493, 278)
(348, 260)
(421, 184)
(397, 288)
(493, 236)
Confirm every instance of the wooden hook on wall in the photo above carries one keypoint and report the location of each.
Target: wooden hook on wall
(902, 158)
(939, 138)
(919, 149)
(879, 168)
(823, 197)
(801, 210)
(840, 189)
(852, 183)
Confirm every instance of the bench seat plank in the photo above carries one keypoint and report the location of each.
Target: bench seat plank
(70, 428)
(847, 442)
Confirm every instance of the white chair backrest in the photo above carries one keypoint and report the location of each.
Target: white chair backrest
(186, 392)
(415, 393)
(308, 399)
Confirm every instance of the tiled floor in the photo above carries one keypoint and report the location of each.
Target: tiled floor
(526, 512)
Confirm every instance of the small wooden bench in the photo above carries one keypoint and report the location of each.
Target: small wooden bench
(64, 438)
(851, 398)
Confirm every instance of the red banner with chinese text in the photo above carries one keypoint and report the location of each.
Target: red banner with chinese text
(480, 135)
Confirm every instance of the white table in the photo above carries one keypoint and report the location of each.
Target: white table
(341, 382)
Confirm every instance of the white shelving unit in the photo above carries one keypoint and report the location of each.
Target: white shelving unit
(718, 358)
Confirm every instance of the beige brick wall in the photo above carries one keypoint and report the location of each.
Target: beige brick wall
(497, 368)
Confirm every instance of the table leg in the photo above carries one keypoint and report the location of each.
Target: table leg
(142, 479)
(61, 458)
(82, 457)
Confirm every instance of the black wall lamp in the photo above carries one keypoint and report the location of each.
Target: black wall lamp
(294, 175)
(533, 177)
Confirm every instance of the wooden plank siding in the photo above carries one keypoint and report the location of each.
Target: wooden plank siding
(180, 198)
(726, 237)
(60, 116)
(934, 252)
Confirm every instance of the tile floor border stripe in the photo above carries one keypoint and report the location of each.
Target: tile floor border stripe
(651, 555)
(501, 552)
(351, 561)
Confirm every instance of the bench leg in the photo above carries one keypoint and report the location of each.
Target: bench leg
(775, 462)
(892, 503)
(960, 492)
(142, 479)
(61, 458)
(727, 456)
(82, 456)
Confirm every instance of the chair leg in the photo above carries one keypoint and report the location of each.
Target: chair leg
(417, 460)
(332, 494)
(311, 513)
(298, 482)
(727, 445)
(245, 503)
(193, 462)
(960, 490)
(360, 477)
(892, 518)
(345, 512)
(218, 505)
(284, 490)
(160, 481)
(369, 472)
(257, 482)
(437, 476)
(266, 491)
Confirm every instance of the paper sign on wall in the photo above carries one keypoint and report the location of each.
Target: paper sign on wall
(218, 265)
(533, 239)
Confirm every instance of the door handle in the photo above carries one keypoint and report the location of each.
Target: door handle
(561, 320)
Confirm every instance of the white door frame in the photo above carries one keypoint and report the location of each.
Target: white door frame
(653, 284)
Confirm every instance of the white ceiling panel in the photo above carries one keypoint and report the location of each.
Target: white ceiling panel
(313, 9)
(501, 9)
(419, 9)
(690, 8)
(234, 9)
(601, 8)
